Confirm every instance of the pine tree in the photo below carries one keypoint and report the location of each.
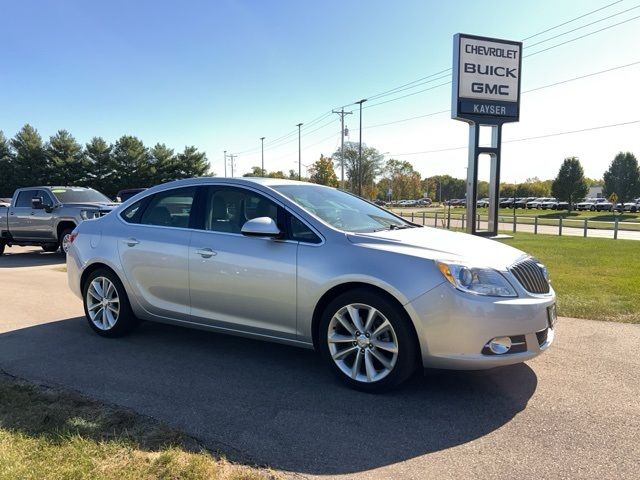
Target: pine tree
(100, 173)
(67, 162)
(132, 163)
(165, 163)
(6, 167)
(192, 163)
(31, 166)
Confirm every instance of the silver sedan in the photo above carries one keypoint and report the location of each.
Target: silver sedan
(314, 267)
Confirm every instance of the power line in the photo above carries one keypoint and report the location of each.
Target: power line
(430, 78)
(571, 21)
(420, 81)
(557, 134)
(582, 26)
(582, 36)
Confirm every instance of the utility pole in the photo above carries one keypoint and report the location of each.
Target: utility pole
(299, 154)
(233, 159)
(360, 150)
(264, 174)
(342, 113)
(225, 163)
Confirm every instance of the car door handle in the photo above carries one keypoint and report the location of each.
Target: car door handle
(131, 242)
(205, 252)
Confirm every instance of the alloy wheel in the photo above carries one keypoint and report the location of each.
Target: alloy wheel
(103, 303)
(66, 242)
(362, 343)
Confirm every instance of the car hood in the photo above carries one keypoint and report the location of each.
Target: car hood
(437, 244)
(100, 205)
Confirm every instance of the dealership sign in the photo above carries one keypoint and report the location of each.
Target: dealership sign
(486, 79)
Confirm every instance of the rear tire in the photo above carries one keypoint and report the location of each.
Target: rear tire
(50, 248)
(106, 304)
(367, 341)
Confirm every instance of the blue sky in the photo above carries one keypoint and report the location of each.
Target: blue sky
(221, 74)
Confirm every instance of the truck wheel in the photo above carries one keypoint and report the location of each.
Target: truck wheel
(106, 304)
(51, 247)
(64, 240)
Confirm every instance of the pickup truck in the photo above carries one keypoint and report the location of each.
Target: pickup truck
(46, 216)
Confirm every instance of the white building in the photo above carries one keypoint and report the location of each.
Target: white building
(595, 192)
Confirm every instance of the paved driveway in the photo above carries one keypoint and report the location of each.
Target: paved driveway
(572, 413)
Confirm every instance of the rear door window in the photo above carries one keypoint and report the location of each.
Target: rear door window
(24, 198)
(171, 208)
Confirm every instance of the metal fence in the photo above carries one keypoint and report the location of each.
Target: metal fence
(586, 227)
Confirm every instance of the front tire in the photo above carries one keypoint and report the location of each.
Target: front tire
(367, 341)
(106, 304)
(64, 241)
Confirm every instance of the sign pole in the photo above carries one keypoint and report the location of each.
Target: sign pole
(485, 93)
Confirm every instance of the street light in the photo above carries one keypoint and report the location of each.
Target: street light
(262, 147)
(360, 102)
(299, 154)
(225, 163)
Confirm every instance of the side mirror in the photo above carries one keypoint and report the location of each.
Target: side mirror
(36, 203)
(261, 227)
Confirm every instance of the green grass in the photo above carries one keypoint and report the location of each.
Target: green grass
(50, 434)
(593, 278)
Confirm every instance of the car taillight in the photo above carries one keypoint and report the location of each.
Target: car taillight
(72, 237)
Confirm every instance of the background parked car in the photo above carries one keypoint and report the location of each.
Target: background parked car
(633, 206)
(536, 202)
(522, 202)
(506, 202)
(483, 203)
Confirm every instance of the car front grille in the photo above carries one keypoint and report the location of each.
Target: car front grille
(530, 275)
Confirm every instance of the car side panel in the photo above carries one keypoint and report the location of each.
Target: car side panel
(399, 275)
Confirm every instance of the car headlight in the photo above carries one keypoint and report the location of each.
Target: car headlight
(477, 281)
(88, 214)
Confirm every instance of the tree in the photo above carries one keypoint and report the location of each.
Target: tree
(30, 161)
(256, 172)
(165, 163)
(131, 162)
(623, 177)
(451, 187)
(192, 163)
(570, 184)
(6, 167)
(403, 180)
(100, 170)
(66, 159)
(369, 169)
(322, 172)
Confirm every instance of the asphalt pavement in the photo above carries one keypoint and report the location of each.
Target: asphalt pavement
(574, 412)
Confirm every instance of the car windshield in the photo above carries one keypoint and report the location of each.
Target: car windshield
(341, 210)
(79, 195)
